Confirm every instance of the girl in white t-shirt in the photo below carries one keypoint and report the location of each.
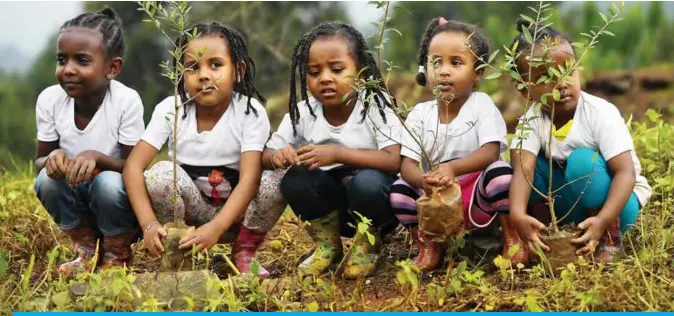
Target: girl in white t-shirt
(463, 134)
(221, 134)
(86, 127)
(594, 161)
(342, 152)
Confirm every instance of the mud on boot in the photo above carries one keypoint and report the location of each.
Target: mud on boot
(244, 249)
(325, 233)
(85, 241)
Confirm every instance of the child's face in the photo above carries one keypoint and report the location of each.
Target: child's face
(81, 64)
(451, 66)
(331, 70)
(559, 55)
(213, 67)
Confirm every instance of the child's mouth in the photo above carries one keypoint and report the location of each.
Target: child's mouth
(328, 92)
(445, 86)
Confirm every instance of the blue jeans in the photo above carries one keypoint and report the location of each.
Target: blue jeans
(581, 163)
(315, 194)
(104, 199)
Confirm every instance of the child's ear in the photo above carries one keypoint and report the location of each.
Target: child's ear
(114, 68)
(242, 71)
(478, 76)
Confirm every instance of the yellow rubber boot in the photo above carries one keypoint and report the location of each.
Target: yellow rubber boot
(325, 233)
(363, 257)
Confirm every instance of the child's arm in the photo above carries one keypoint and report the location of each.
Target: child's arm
(410, 172)
(524, 164)
(134, 181)
(208, 234)
(279, 152)
(621, 188)
(386, 159)
(81, 167)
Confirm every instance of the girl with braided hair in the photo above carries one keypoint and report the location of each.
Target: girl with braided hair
(221, 134)
(341, 146)
(463, 133)
(86, 128)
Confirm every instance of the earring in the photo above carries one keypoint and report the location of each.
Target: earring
(109, 76)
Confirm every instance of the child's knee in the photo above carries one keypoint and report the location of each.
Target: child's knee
(46, 187)
(582, 162)
(295, 182)
(107, 190)
(368, 185)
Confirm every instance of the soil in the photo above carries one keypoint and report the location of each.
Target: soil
(174, 259)
(441, 214)
(562, 251)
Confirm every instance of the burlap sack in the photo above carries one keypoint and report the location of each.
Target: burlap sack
(441, 214)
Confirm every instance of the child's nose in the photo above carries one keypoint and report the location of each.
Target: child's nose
(69, 69)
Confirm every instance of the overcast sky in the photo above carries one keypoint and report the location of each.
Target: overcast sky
(27, 25)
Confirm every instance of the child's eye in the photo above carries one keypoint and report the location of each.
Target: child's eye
(216, 64)
(457, 62)
(60, 61)
(192, 67)
(337, 70)
(314, 73)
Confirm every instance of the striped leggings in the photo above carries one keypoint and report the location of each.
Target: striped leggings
(491, 196)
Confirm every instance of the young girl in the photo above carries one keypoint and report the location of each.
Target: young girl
(342, 148)
(463, 133)
(221, 135)
(88, 124)
(592, 152)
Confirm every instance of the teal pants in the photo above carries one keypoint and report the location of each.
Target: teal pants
(581, 163)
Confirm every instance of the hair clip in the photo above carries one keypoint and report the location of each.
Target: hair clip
(442, 21)
(421, 69)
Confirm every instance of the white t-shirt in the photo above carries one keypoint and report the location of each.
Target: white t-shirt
(372, 133)
(598, 125)
(478, 122)
(119, 120)
(236, 132)
(218, 149)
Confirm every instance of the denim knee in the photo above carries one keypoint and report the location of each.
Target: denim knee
(110, 203)
(57, 198)
(368, 193)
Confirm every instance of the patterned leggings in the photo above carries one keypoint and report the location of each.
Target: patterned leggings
(491, 196)
(262, 213)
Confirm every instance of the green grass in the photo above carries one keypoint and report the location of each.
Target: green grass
(31, 247)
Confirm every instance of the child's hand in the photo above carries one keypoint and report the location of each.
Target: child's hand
(203, 237)
(81, 167)
(316, 156)
(152, 239)
(528, 228)
(57, 164)
(594, 228)
(285, 157)
(442, 176)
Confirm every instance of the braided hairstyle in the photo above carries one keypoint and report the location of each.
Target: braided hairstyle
(478, 42)
(238, 52)
(364, 59)
(107, 24)
(542, 34)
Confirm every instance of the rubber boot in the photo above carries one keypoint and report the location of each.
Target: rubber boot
(510, 238)
(244, 249)
(363, 258)
(430, 253)
(325, 233)
(117, 250)
(84, 240)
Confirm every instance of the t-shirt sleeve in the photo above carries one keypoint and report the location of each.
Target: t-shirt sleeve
(389, 132)
(284, 135)
(410, 148)
(44, 113)
(526, 136)
(611, 133)
(255, 130)
(132, 126)
(159, 128)
(490, 126)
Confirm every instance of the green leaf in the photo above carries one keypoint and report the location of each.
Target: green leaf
(603, 17)
(608, 33)
(652, 115)
(396, 30)
(556, 95)
(579, 45)
(527, 35)
(312, 307)
(493, 75)
(528, 18)
(493, 55)
(513, 250)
